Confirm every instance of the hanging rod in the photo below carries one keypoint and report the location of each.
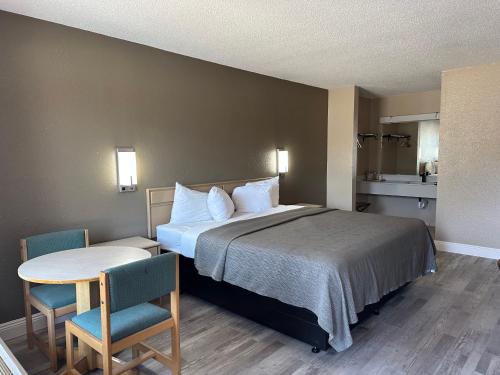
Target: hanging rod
(367, 135)
(396, 136)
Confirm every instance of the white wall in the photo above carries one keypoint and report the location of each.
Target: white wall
(468, 207)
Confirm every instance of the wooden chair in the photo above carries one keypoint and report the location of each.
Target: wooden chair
(125, 317)
(51, 300)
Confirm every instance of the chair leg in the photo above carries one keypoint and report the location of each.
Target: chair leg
(176, 350)
(29, 324)
(51, 327)
(69, 350)
(107, 362)
(135, 352)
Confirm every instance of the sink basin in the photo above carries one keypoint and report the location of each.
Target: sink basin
(400, 188)
(403, 182)
(422, 183)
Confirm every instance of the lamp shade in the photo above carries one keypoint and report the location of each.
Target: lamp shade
(282, 161)
(127, 169)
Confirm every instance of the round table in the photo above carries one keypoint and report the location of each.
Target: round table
(80, 267)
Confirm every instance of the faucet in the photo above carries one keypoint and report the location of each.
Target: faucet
(424, 176)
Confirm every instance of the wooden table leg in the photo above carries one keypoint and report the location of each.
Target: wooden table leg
(87, 297)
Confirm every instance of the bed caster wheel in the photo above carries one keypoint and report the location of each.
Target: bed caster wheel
(315, 350)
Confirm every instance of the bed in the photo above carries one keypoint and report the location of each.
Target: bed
(305, 271)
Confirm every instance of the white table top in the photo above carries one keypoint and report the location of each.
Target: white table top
(76, 265)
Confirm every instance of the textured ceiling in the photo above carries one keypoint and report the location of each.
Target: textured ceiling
(384, 46)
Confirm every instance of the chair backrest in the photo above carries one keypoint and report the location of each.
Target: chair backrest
(142, 281)
(57, 241)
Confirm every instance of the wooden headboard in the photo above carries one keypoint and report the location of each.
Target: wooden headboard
(159, 200)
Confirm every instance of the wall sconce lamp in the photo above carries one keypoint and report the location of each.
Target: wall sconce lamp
(126, 168)
(282, 160)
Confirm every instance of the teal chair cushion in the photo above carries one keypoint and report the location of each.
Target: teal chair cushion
(53, 295)
(141, 281)
(124, 322)
(57, 241)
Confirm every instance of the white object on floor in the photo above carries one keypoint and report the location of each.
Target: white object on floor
(182, 238)
(8, 363)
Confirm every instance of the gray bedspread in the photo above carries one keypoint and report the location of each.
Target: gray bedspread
(330, 262)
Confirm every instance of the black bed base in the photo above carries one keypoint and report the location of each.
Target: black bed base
(293, 321)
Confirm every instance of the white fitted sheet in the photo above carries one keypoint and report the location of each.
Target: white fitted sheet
(182, 238)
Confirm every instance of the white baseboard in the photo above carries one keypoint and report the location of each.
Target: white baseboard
(16, 328)
(461, 248)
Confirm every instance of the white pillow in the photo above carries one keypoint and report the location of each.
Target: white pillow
(189, 206)
(219, 204)
(275, 188)
(253, 198)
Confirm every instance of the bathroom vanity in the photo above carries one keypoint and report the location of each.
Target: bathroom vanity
(397, 174)
(399, 185)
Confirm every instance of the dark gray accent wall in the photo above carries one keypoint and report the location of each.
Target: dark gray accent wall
(69, 97)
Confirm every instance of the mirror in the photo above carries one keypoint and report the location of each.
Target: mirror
(428, 146)
(398, 145)
(410, 147)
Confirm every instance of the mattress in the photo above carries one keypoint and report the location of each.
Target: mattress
(181, 238)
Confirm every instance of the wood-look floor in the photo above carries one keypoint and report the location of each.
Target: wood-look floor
(446, 323)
